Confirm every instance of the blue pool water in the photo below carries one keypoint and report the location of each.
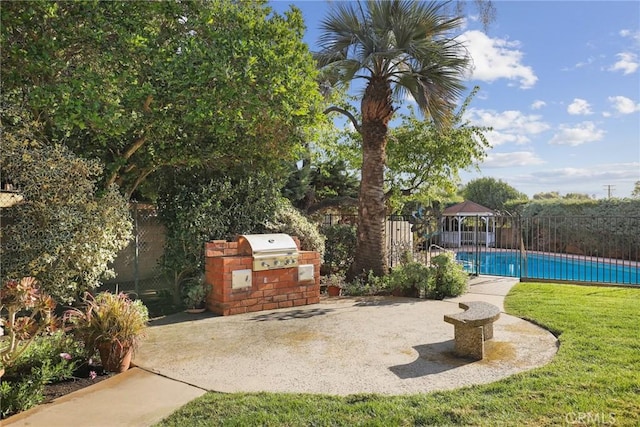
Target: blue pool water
(552, 267)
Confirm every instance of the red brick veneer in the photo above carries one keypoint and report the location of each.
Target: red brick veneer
(270, 289)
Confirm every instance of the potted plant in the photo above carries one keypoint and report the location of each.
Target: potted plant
(195, 293)
(112, 324)
(333, 284)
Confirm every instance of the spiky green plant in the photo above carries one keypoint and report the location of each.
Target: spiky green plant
(109, 318)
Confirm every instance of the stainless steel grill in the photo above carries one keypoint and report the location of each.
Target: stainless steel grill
(269, 251)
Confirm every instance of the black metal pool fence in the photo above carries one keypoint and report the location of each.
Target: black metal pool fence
(579, 249)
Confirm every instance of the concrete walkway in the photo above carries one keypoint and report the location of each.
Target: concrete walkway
(341, 346)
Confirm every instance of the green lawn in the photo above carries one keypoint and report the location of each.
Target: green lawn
(593, 380)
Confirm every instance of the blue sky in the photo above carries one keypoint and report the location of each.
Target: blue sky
(559, 83)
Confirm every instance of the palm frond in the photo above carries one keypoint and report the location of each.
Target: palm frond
(410, 44)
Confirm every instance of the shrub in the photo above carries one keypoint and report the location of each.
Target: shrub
(60, 352)
(62, 233)
(444, 278)
(447, 278)
(289, 220)
(366, 284)
(596, 227)
(412, 279)
(197, 206)
(49, 359)
(21, 395)
(194, 292)
(340, 248)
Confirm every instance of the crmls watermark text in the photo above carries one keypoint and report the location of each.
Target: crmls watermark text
(590, 418)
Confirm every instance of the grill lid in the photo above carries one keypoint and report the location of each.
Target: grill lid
(263, 244)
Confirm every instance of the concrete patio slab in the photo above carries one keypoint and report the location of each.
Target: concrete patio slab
(341, 346)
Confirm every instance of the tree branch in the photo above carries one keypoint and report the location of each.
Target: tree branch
(414, 185)
(126, 156)
(134, 147)
(140, 178)
(345, 113)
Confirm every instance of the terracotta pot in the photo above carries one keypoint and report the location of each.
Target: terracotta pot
(333, 291)
(115, 357)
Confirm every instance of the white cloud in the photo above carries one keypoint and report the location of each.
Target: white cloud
(499, 138)
(633, 35)
(587, 180)
(579, 107)
(628, 63)
(514, 159)
(577, 135)
(508, 126)
(598, 173)
(537, 104)
(508, 120)
(495, 59)
(588, 62)
(624, 105)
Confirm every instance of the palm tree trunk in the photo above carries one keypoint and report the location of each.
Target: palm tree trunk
(371, 248)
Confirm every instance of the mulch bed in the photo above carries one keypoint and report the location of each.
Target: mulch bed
(82, 378)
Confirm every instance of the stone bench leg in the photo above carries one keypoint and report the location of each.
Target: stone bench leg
(488, 331)
(469, 341)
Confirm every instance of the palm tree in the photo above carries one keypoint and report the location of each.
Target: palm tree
(399, 48)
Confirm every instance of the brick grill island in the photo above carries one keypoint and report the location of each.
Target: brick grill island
(239, 285)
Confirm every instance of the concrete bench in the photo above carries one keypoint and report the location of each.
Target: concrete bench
(473, 327)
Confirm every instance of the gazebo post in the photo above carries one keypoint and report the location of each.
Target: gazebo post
(486, 233)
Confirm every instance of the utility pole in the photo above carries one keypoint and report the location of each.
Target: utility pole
(609, 188)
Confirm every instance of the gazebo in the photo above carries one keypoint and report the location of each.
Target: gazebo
(467, 223)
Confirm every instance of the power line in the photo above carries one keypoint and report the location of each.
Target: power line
(609, 188)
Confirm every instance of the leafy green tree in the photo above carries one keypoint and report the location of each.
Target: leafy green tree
(142, 85)
(546, 196)
(330, 185)
(62, 233)
(636, 191)
(423, 163)
(579, 196)
(556, 195)
(298, 185)
(392, 45)
(491, 193)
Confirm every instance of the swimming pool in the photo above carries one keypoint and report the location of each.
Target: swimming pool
(548, 266)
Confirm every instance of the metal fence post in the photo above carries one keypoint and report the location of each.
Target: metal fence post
(136, 257)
